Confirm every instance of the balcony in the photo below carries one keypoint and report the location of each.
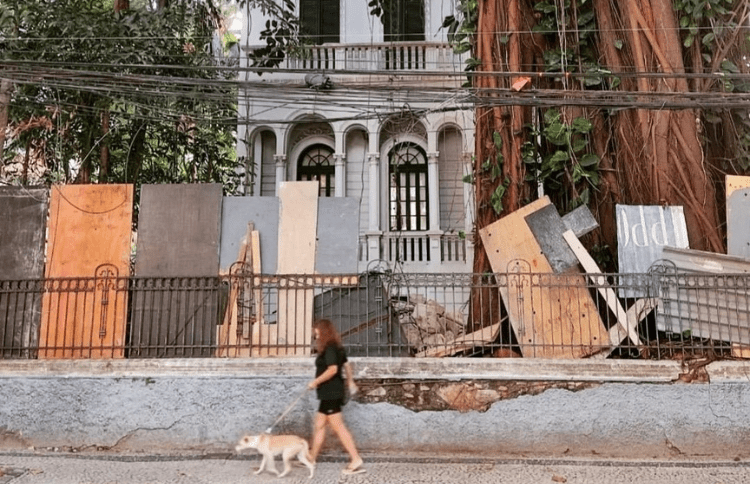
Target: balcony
(404, 56)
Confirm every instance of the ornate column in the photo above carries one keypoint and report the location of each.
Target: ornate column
(373, 226)
(433, 186)
(280, 170)
(340, 175)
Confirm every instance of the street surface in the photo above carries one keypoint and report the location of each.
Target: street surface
(97, 468)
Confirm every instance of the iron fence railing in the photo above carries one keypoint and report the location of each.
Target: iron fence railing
(659, 315)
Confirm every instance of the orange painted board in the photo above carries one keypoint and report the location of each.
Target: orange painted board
(552, 315)
(736, 183)
(88, 261)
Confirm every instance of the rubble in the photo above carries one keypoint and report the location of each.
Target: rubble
(425, 323)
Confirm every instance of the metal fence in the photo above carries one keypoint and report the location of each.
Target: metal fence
(658, 315)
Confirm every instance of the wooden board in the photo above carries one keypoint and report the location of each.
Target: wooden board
(89, 237)
(232, 342)
(178, 251)
(298, 221)
(23, 220)
(550, 320)
(625, 327)
(179, 227)
(482, 337)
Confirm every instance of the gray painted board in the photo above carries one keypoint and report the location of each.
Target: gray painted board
(581, 221)
(237, 212)
(338, 236)
(738, 223)
(337, 232)
(23, 219)
(705, 293)
(642, 231)
(178, 239)
(548, 227)
(179, 230)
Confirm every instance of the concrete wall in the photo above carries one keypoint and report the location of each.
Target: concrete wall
(608, 408)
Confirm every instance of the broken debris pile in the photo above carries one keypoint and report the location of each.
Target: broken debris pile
(425, 323)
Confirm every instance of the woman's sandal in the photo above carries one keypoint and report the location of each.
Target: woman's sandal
(354, 468)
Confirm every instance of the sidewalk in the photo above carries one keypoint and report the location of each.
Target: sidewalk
(103, 468)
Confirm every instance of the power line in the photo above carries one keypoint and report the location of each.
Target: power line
(412, 68)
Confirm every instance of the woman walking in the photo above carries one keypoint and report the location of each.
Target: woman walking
(330, 364)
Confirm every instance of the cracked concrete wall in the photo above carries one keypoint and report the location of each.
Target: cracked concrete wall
(209, 413)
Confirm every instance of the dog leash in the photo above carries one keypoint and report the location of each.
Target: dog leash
(291, 406)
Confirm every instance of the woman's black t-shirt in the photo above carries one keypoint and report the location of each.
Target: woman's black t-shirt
(332, 389)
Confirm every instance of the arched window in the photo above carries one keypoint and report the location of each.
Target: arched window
(408, 204)
(316, 163)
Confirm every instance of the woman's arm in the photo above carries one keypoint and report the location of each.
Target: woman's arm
(350, 378)
(324, 377)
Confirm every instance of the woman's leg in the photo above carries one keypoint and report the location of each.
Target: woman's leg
(337, 423)
(319, 435)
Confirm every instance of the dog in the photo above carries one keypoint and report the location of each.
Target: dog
(269, 446)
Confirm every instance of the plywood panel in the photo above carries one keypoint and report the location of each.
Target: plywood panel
(23, 220)
(176, 310)
(552, 317)
(89, 237)
(627, 324)
(244, 312)
(179, 230)
(298, 221)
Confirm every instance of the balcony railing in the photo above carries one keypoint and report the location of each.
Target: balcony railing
(659, 315)
(415, 247)
(411, 56)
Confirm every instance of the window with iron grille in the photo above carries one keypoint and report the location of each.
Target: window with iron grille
(319, 20)
(317, 163)
(403, 20)
(408, 195)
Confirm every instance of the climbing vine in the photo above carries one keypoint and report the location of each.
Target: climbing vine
(559, 154)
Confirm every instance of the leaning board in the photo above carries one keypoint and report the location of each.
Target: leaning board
(23, 220)
(176, 293)
(84, 314)
(552, 316)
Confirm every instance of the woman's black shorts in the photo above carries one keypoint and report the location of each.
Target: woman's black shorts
(329, 407)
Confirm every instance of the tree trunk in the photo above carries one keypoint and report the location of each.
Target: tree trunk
(495, 19)
(121, 5)
(659, 153)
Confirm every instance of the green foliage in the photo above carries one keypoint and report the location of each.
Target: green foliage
(693, 16)
(462, 29)
(463, 26)
(281, 33)
(496, 200)
(578, 24)
(561, 155)
(158, 132)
